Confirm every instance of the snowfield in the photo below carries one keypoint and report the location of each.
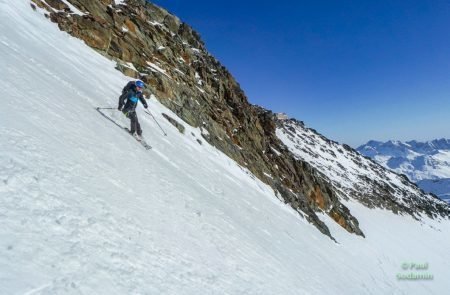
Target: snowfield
(85, 209)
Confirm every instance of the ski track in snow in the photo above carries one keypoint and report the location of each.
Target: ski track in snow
(85, 210)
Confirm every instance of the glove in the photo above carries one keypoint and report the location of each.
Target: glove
(145, 106)
(119, 108)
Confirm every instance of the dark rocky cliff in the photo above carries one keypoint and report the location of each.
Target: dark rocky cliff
(151, 44)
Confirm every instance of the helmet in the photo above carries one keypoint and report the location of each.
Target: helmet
(139, 84)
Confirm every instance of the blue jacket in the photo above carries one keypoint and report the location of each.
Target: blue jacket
(130, 97)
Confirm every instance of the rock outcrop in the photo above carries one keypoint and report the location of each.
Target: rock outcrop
(150, 43)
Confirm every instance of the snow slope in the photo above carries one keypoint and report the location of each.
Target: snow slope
(84, 209)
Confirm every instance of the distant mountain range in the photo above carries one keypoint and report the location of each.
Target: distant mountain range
(425, 163)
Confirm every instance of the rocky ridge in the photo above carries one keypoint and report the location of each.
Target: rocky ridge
(355, 176)
(151, 44)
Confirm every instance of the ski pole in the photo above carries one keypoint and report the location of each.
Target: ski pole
(106, 108)
(148, 112)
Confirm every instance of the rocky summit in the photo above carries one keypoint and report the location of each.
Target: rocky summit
(149, 43)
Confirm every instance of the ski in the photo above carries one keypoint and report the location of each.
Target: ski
(140, 140)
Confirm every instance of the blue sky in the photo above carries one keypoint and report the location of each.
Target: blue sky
(353, 70)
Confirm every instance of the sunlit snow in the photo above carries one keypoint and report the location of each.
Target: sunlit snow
(84, 209)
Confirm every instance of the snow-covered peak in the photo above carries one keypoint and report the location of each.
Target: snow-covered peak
(426, 163)
(395, 147)
(417, 160)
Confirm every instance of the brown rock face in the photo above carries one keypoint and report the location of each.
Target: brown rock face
(57, 4)
(171, 58)
(317, 198)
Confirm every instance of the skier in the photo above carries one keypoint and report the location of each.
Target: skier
(128, 101)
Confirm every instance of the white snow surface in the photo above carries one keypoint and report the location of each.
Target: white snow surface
(120, 2)
(155, 68)
(84, 209)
